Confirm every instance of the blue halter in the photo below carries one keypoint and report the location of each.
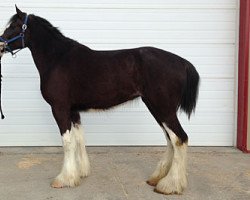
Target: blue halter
(20, 36)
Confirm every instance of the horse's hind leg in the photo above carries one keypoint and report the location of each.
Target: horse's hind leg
(170, 174)
(75, 164)
(165, 163)
(176, 179)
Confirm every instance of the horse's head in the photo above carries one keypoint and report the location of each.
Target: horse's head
(16, 35)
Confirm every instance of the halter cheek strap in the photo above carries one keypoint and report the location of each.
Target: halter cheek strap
(20, 36)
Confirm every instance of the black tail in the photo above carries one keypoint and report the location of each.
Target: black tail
(190, 92)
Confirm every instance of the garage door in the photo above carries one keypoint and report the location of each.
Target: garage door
(204, 32)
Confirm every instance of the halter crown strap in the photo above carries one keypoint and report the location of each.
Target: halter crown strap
(25, 23)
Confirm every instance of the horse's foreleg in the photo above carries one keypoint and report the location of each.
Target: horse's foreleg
(69, 175)
(75, 164)
(81, 153)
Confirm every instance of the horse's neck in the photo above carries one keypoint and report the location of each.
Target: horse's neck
(41, 61)
(49, 52)
(44, 57)
(42, 44)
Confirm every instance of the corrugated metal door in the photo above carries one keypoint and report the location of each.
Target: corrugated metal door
(203, 32)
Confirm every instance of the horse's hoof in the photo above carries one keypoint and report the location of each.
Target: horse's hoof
(61, 183)
(57, 184)
(168, 188)
(161, 192)
(152, 182)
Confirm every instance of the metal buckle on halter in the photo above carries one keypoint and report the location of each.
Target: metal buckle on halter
(5, 44)
(24, 27)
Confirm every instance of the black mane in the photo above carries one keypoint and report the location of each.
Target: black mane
(39, 21)
(13, 19)
(48, 38)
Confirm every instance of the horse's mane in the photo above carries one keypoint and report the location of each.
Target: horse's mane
(47, 37)
(42, 22)
(45, 24)
(50, 38)
(13, 19)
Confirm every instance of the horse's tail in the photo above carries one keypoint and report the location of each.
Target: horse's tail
(190, 91)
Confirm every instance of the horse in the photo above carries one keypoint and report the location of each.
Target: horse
(75, 78)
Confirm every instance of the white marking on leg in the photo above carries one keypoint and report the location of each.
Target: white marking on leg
(164, 164)
(176, 179)
(81, 153)
(69, 175)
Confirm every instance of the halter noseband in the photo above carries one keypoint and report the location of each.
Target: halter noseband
(20, 36)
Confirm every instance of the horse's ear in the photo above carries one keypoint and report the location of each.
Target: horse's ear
(19, 12)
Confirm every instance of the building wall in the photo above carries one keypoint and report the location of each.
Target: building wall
(203, 32)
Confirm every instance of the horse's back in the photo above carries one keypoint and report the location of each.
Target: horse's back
(159, 68)
(108, 78)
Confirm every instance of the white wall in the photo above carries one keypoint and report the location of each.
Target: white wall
(204, 32)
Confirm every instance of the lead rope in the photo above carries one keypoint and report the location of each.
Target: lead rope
(2, 116)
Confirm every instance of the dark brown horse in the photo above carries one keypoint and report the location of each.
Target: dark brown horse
(76, 78)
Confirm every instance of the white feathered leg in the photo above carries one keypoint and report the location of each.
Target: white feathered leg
(163, 165)
(76, 162)
(176, 180)
(81, 154)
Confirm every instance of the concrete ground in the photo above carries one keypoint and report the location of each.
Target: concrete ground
(120, 173)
